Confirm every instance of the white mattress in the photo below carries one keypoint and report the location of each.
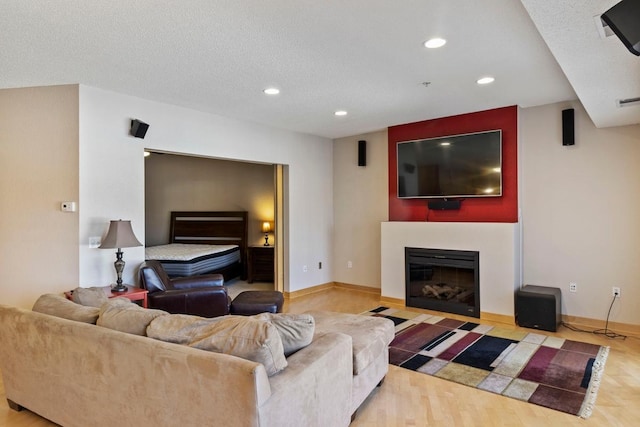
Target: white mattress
(183, 252)
(180, 259)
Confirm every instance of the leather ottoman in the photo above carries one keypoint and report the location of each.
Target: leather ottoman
(248, 303)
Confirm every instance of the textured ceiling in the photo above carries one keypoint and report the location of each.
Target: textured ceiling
(363, 56)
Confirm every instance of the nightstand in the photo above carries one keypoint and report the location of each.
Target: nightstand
(260, 260)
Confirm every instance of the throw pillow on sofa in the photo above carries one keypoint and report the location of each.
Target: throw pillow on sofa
(245, 337)
(91, 297)
(59, 306)
(123, 315)
(296, 330)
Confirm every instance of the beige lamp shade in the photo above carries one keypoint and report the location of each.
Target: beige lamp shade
(266, 227)
(120, 235)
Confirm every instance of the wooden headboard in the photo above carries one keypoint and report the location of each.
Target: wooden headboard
(211, 228)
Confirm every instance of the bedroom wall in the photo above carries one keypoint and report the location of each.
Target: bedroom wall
(360, 205)
(112, 177)
(38, 171)
(174, 183)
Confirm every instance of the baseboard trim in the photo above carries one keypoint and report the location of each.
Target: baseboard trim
(499, 318)
(308, 291)
(330, 285)
(358, 288)
(587, 323)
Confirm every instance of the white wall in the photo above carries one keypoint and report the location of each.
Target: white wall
(581, 212)
(360, 199)
(112, 176)
(38, 171)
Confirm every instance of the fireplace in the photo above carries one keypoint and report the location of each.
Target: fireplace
(443, 280)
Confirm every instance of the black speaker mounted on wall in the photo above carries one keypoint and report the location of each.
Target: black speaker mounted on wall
(624, 21)
(362, 153)
(568, 132)
(138, 128)
(444, 205)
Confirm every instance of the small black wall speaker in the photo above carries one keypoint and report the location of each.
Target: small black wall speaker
(362, 153)
(538, 307)
(138, 128)
(444, 205)
(624, 21)
(568, 133)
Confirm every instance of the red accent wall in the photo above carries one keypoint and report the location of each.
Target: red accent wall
(481, 209)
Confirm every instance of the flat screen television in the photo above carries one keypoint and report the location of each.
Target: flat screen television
(456, 166)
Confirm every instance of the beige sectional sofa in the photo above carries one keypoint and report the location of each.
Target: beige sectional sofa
(79, 374)
(80, 365)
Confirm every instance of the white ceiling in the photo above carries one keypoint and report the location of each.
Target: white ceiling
(363, 56)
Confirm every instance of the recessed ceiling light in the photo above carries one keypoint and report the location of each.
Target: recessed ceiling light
(435, 43)
(271, 91)
(485, 80)
(340, 113)
(445, 144)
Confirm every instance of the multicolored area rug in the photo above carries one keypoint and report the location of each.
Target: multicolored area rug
(549, 371)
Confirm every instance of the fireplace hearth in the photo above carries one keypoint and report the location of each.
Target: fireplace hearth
(443, 280)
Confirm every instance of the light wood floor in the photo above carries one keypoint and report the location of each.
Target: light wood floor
(412, 399)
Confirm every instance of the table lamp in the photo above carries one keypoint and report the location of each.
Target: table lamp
(266, 228)
(120, 235)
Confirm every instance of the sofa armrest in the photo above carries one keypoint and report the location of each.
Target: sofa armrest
(206, 302)
(315, 388)
(201, 281)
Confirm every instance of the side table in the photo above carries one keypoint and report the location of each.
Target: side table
(260, 260)
(132, 293)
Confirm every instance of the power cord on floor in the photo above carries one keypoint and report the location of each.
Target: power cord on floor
(606, 332)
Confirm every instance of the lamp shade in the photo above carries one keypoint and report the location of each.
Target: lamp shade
(120, 235)
(266, 227)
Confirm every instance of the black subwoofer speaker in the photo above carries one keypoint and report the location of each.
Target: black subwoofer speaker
(538, 307)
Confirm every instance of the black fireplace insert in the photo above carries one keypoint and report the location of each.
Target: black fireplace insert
(443, 280)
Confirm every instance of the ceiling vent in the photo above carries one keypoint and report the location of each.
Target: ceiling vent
(629, 102)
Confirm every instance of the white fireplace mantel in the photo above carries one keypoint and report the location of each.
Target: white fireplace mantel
(497, 243)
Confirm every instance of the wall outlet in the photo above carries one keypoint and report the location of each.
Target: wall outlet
(305, 269)
(68, 206)
(349, 264)
(573, 287)
(615, 291)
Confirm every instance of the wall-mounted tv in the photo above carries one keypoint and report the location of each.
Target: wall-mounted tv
(461, 166)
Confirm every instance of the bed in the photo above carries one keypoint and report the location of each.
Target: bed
(204, 243)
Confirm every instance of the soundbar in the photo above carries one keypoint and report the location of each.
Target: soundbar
(444, 205)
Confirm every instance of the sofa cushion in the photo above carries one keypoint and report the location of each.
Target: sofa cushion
(92, 297)
(370, 335)
(245, 337)
(123, 315)
(296, 330)
(59, 306)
